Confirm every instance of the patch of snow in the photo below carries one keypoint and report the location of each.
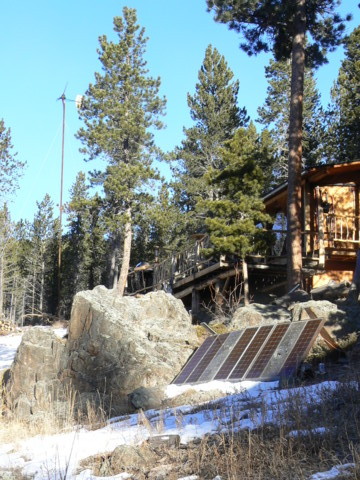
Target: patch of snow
(8, 347)
(343, 470)
(304, 433)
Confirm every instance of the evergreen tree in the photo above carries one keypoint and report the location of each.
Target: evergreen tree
(343, 133)
(43, 260)
(10, 167)
(84, 248)
(6, 238)
(274, 114)
(120, 111)
(20, 282)
(216, 116)
(162, 227)
(233, 218)
(281, 26)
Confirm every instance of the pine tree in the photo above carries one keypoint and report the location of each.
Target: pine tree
(281, 26)
(10, 167)
(233, 218)
(84, 247)
(6, 233)
(120, 111)
(20, 283)
(216, 116)
(274, 114)
(343, 133)
(43, 260)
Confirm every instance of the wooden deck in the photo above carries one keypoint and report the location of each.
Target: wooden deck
(189, 274)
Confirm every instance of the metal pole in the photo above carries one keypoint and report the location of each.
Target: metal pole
(63, 98)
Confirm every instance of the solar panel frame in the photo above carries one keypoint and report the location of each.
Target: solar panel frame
(267, 352)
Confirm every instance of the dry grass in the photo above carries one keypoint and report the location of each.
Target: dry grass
(326, 434)
(54, 417)
(270, 452)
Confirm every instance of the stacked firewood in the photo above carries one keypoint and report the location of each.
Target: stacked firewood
(7, 327)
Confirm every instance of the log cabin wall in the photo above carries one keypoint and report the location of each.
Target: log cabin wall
(330, 218)
(337, 207)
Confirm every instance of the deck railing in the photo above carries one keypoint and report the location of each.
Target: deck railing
(338, 232)
(342, 228)
(183, 263)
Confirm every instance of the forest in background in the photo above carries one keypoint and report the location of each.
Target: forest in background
(119, 216)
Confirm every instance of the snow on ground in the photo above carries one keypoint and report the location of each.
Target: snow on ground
(58, 456)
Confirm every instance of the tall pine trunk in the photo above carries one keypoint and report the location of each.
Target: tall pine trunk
(2, 285)
(294, 264)
(42, 286)
(126, 254)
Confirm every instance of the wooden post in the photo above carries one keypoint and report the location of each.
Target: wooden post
(356, 279)
(306, 217)
(357, 212)
(246, 282)
(355, 285)
(195, 303)
(320, 228)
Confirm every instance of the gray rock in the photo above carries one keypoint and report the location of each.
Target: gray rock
(322, 309)
(33, 380)
(115, 345)
(146, 398)
(332, 291)
(293, 297)
(118, 344)
(258, 314)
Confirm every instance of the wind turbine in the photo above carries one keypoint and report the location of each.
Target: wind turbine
(77, 101)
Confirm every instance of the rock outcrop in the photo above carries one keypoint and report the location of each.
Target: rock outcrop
(33, 381)
(257, 314)
(115, 345)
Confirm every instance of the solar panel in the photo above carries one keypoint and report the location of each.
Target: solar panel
(302, 346)
(251, 351)
(209, 355)
(255, 353)
(283, 350)
(215, 364)
(235, 354)
(267, 351)
(194, 360)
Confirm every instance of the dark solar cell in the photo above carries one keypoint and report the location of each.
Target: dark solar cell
(272, 369)
(194, 360)
(302, 346)
(254, 347)
(215, 364)
(206, 359)
(267, 351)
(236, 353)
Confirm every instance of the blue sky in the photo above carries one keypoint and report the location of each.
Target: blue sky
(48, 44)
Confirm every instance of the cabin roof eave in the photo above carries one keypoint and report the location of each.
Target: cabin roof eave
(323, 174)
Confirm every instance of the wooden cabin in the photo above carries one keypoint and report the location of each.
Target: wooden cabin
(330, 219)
(330, 240)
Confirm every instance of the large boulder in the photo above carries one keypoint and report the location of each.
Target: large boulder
(331, 292)
(321, 309)
(115, 345)
(257, 314)
(33, 382)
(118, 344)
